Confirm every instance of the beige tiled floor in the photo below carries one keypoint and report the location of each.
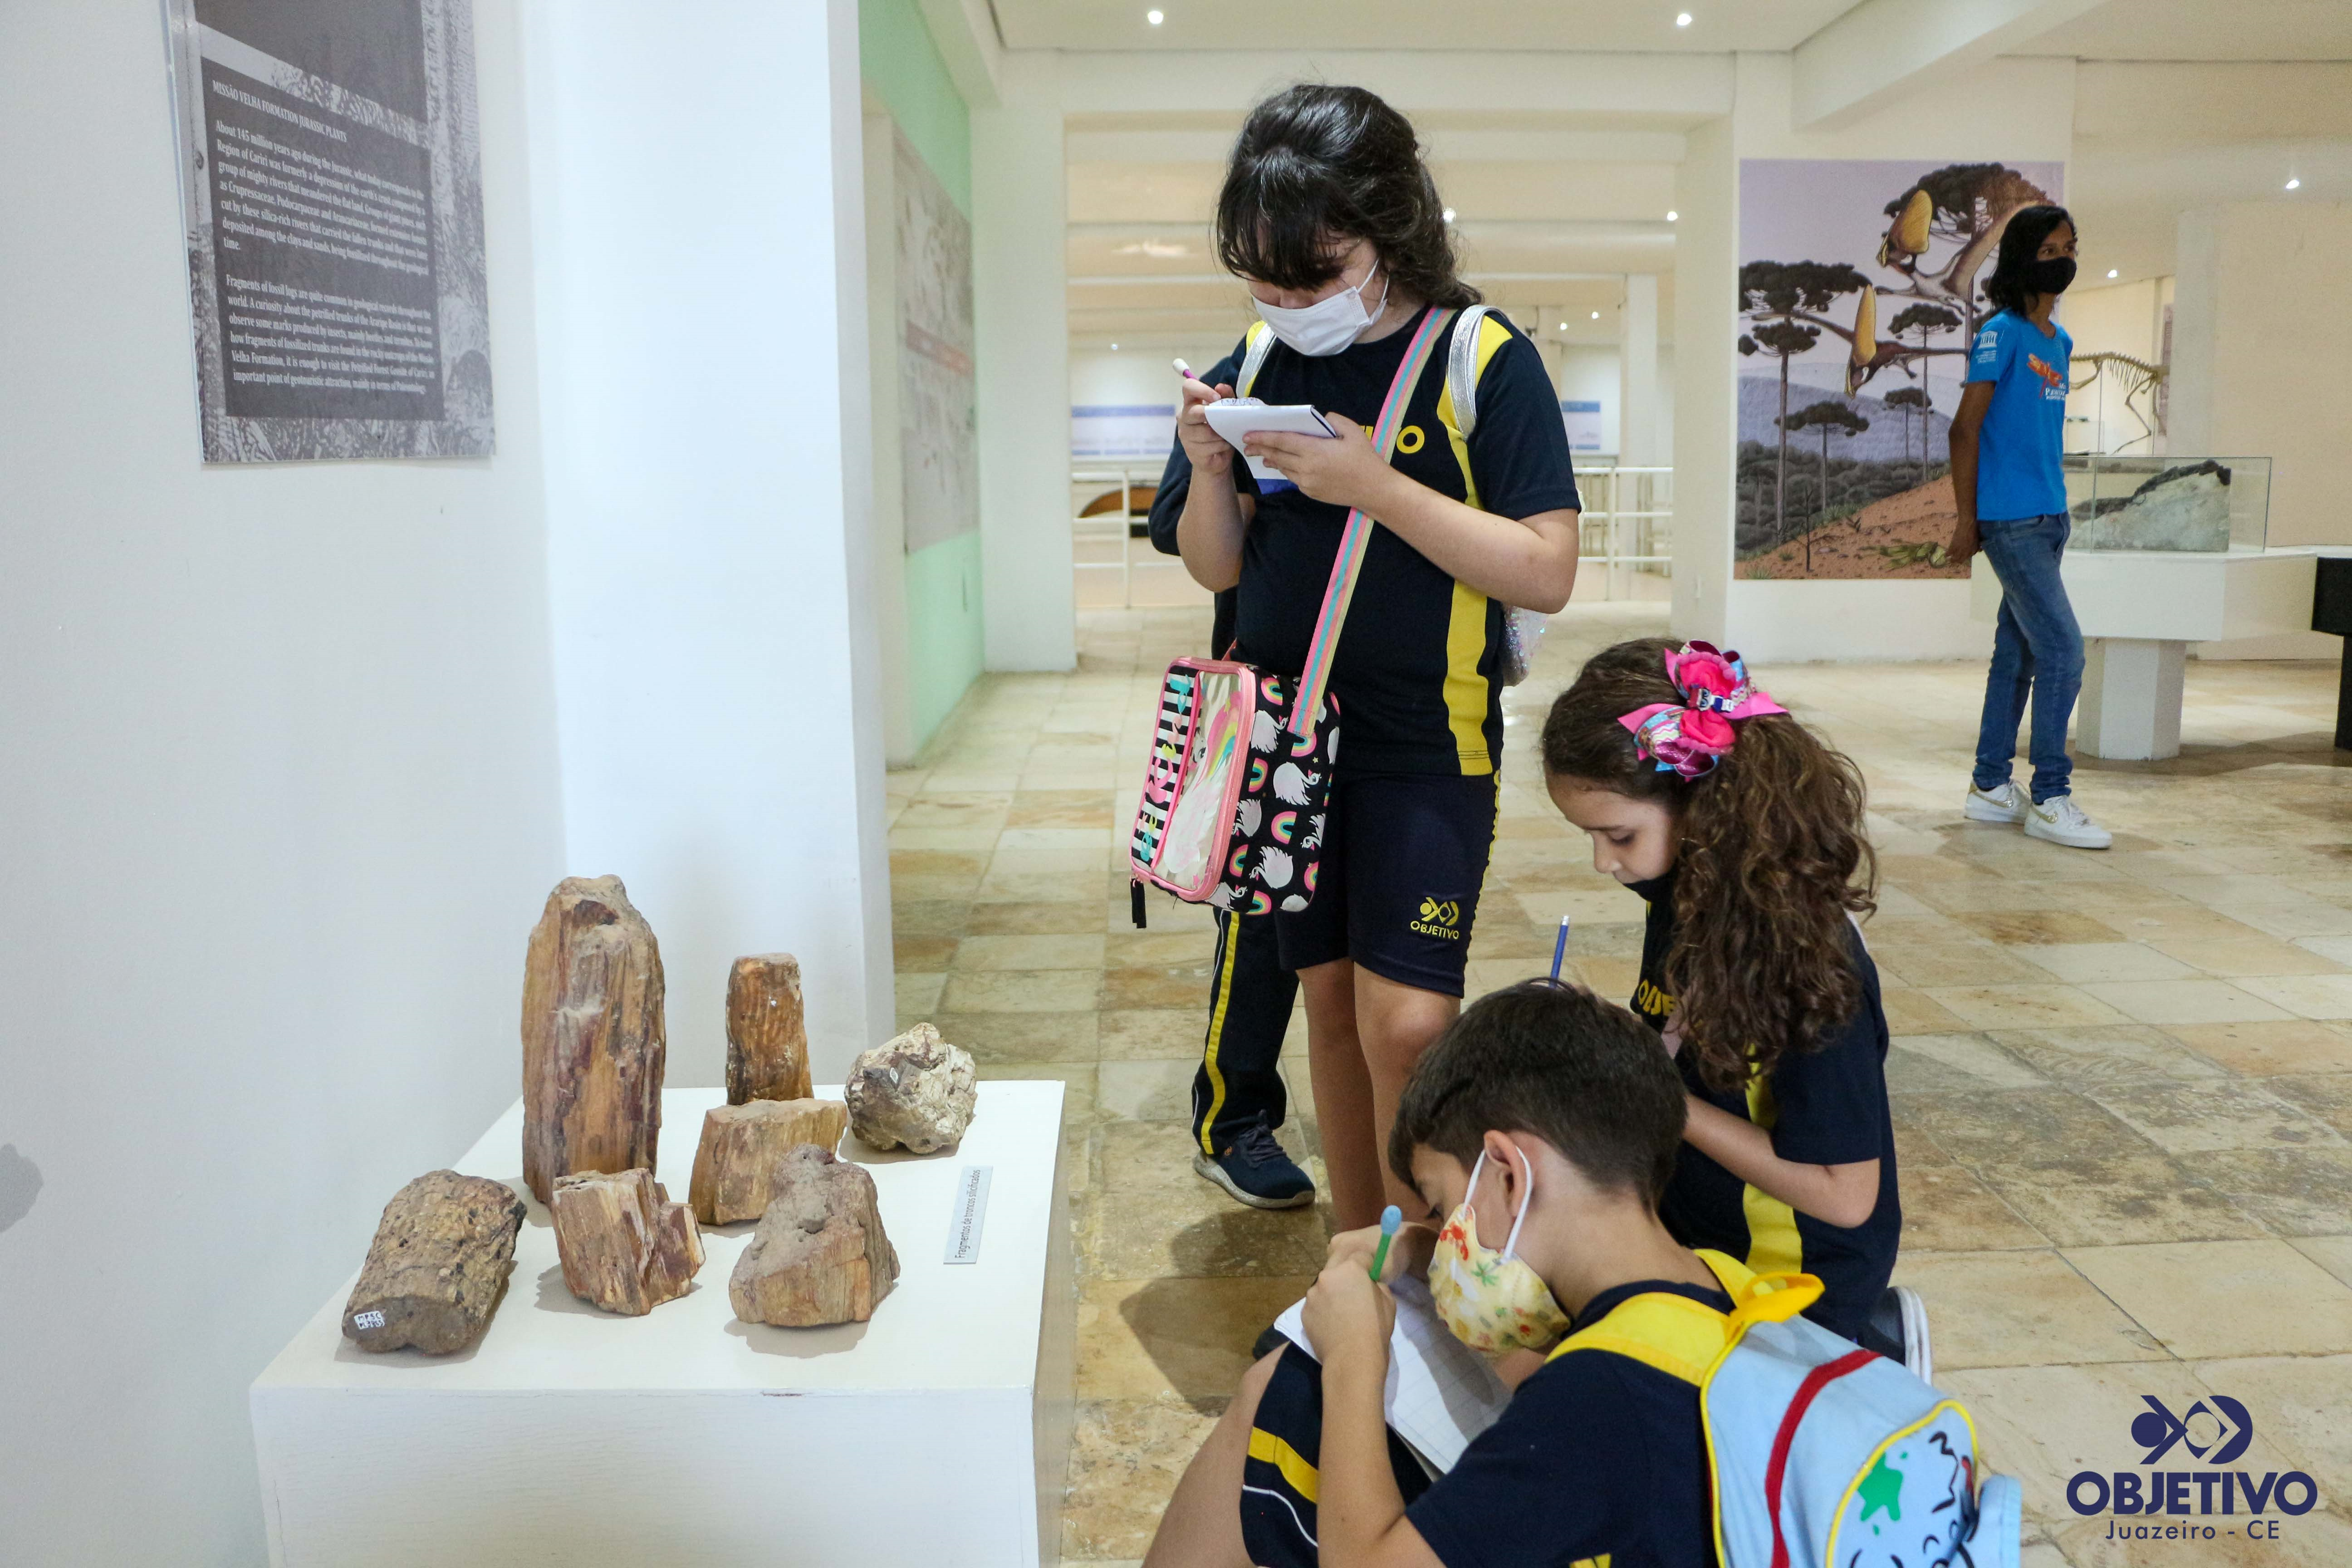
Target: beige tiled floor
(2123, 1083)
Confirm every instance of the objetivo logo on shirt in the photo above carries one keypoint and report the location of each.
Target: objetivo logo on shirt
(1439, 917)
(2214, 1431)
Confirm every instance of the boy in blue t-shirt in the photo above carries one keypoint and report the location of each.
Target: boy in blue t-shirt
(1541, 1126)
(2011, 493)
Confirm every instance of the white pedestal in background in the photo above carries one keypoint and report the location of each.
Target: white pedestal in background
(2140, 609)
(936, 1433)
(2130, 706)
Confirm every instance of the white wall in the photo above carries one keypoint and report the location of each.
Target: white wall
(698, 183)
(1021, 327)
(1592, 373)
(2010, 109)
(278, 776)
(2119, 318)
(888, 480)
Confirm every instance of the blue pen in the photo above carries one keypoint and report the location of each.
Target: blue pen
(1559, 947)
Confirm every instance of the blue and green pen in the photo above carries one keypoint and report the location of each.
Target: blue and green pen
(1391, 1218)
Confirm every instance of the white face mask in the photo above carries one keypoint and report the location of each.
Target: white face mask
(1328, 325)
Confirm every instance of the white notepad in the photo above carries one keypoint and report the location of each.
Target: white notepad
(1236, 418)
(1441, 1393)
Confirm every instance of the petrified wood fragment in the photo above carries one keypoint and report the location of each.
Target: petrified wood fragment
(592, 1040)
(623, 1244)
(820, 1255)
(437, 1264)
(767, 1033)
(735, 1164)
(915, 1091)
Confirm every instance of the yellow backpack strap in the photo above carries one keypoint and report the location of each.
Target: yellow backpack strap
(1680, 1337)
(1256, 344)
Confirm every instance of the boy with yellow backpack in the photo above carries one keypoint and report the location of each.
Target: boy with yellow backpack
(1667, 1407)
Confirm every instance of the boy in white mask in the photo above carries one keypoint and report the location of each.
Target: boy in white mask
(1543, 1125)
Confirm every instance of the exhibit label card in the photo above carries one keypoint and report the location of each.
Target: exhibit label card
(970, 1211)
(331, 179)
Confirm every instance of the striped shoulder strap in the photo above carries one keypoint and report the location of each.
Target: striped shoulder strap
(1258, 342)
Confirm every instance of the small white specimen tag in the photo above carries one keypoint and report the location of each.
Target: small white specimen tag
(970, 1212)
(367, 1320)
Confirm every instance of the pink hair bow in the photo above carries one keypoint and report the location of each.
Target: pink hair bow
(1690, 737)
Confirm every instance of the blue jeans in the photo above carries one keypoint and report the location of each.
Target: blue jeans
(2036, 647)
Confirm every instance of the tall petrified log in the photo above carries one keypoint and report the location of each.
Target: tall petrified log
(767, 1033)
(437, 1264)
(820, 1255)
(735, 1163)
(593, 1041)
(625, 1246)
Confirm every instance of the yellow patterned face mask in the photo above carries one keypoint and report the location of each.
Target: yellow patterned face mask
(1492, 1301)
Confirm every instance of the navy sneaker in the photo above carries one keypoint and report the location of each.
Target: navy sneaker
(1254, 1170)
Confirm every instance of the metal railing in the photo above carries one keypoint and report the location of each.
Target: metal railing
(1625, 529)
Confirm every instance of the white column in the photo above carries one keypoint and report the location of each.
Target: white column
(2130, 706)
(700, 234)
(1707, 272)
(1637, 372)
(883, 343)
(1022, 326)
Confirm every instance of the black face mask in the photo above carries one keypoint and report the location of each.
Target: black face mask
(2050, 275)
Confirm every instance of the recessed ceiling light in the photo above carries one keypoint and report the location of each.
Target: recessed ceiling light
(1563, 326)
(1449, 215)
(2111, 272)
(1596, 315)
(1682, 19)
(2293, 185)
(1154, 17)
(1673, 216)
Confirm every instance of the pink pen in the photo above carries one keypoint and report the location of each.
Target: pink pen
(1184, 370)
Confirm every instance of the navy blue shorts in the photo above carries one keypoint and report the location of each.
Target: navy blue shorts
(1280, 1480)
(1404, 858)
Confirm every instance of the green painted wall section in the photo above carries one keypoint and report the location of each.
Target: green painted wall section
(944, 636)
(897, 58)
(943, 629)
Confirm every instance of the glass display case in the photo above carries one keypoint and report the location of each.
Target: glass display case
(2176, 504)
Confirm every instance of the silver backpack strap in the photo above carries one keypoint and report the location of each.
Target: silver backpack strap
(1462, 368)
(1261, 343)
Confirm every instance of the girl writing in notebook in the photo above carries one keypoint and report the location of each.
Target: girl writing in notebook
(1330, 216)
(1744, 833)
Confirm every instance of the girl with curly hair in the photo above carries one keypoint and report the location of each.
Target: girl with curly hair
(1744, 833)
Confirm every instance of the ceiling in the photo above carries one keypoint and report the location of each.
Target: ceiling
(2117, 30)
(1717, 25)
(1554, 208)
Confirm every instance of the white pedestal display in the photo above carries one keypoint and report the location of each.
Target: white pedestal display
(936, 1433)
(2140, 609)
(2130, 706)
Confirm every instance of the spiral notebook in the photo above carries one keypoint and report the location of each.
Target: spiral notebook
(1441, 1393)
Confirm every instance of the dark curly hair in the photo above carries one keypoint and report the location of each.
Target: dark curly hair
(2020, 242)
(1316, 165)
(1773, 856)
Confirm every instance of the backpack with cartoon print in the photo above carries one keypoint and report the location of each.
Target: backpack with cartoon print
(1828, 1456)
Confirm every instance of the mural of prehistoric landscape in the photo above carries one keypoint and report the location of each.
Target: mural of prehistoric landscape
(1859, 292)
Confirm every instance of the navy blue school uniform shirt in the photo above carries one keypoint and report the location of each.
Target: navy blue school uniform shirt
(1827, 1106)
(1598, 1458)
(1418, 672)
(1167, 510)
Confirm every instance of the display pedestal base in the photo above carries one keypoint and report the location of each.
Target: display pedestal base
(2130, 706)
(938, 1432)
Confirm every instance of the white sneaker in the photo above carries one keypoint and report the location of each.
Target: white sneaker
(2005, 804)
(2061, 821)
